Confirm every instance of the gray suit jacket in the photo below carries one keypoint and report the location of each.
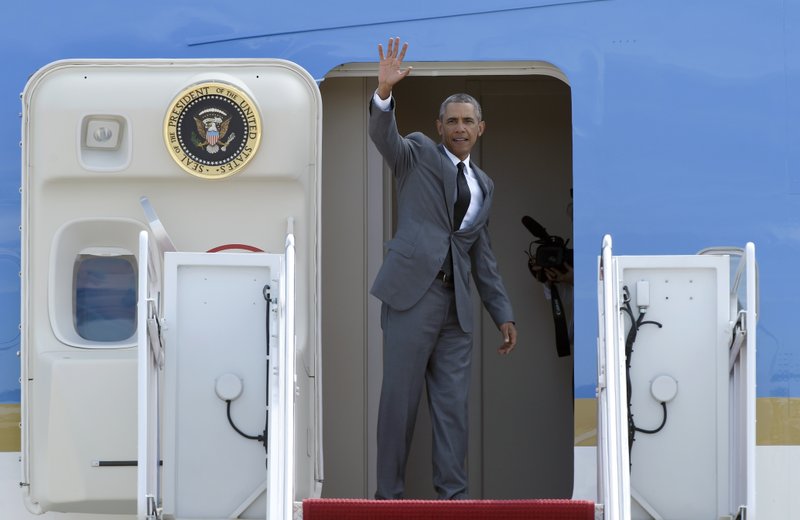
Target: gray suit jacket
(426, 184)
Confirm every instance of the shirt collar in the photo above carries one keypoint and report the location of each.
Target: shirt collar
(455, 159)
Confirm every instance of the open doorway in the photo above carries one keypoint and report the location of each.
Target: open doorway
(521, 435)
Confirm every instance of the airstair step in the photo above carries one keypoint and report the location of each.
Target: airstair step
(353, 509)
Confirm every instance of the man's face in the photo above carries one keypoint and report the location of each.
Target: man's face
(459, 128)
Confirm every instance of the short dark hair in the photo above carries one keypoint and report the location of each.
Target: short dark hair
(461, 98)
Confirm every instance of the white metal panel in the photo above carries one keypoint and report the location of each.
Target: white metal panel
(680, 471)
(214, 322)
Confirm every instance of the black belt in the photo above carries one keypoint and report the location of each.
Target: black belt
(446, 279)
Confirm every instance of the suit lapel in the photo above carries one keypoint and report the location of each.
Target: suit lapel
(487, 188)
(449, 171)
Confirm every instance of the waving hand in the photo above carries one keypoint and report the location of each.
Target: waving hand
(390, 71)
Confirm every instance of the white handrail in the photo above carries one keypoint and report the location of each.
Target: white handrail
(289, 371)
(148, 362)
(613, 457)
(142, 487)
(751, 318)
(742, 374)
(281, 455)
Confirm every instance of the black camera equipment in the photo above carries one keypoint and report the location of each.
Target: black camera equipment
(552, 253)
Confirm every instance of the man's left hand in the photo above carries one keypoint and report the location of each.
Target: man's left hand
(509, 332)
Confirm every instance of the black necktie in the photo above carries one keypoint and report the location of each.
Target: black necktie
(463, 197)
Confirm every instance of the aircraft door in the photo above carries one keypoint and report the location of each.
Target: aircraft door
(228, 150)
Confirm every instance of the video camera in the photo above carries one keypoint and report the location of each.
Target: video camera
(552, 251)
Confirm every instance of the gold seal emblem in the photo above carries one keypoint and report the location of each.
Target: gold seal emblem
(212, 130)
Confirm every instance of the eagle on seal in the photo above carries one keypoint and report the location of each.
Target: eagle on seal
(212, 125)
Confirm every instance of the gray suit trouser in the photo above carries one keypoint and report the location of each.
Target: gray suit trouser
(424, 344)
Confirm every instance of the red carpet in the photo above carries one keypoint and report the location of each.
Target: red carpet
(346, 509)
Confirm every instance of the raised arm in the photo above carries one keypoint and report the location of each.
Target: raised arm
(390, 71)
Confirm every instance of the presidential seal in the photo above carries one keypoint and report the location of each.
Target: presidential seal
(212, 130)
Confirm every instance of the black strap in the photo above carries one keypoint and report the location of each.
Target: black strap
(559, 321)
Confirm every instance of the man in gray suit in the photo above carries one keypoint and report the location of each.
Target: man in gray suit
(443, 203)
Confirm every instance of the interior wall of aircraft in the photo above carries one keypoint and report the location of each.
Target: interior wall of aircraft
(521, 437)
